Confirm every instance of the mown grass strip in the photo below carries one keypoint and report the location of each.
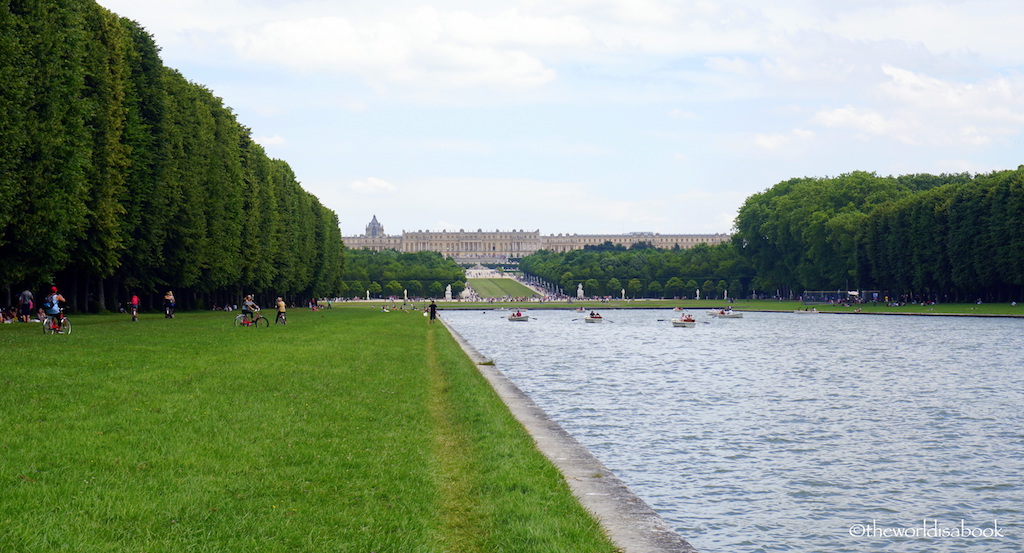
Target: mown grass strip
(342, 431)
(499, 288)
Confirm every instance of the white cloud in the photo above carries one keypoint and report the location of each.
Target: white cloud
(777, 141)
(276, 140)
(422, 47)
(373, 186)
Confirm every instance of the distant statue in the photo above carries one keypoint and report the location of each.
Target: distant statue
(448, 292)
(698, 293)
(367, 295)
(623, 293)
(579, 291)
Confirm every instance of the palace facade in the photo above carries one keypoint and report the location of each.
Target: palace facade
(502, 246)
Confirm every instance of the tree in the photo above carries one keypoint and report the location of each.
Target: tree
(614, 287)
(634, 287)
(655, 290)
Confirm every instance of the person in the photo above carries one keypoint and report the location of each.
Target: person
(249, 307)
(51, 305)
(134, 303)
(169, 305)
(281, 308)
(25, 302)
(433, 311)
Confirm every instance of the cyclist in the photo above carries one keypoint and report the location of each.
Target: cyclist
(248, 308)
(169, 305)
(53, 302)
(134, 306)
(281, 308)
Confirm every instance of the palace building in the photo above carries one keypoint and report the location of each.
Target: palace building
(503, 246)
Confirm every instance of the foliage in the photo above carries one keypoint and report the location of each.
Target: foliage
(642, 272)
(416, 272)
(944, 238)
(120, 176)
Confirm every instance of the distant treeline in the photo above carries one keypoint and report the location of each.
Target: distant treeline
(919, 237)
(915, 237)
(643, 271)
(390, 273)
(118, 175)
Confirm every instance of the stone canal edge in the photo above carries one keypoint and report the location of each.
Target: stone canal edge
(629, 521)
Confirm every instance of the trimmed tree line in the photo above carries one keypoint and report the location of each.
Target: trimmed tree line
(390, 273)
(643, 271)
(953, 237)
(120, 176)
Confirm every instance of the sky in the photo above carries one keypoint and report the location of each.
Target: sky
(599, 116)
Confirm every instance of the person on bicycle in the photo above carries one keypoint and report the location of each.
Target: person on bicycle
(134, 306)
(281, 308)
(249, 307)
(169, 305)
(53, 301)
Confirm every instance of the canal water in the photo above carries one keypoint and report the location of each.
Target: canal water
(790, 432)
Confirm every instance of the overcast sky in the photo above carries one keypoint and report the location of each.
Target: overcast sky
(599, 116)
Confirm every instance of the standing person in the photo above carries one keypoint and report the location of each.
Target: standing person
(433, 311)
(25, 302)
(134, 306)
(169, 305)
(281, 308)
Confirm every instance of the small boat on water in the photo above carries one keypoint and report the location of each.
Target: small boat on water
(685, 321)
(726, 314)
(806, 311)
(517, 316)
(593, 318)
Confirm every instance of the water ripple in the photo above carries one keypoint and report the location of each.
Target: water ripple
(779, 432)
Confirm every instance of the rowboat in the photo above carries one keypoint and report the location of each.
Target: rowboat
(803, 312)
(593, 319)
(685, 322)
(514, 317)
(726, 314)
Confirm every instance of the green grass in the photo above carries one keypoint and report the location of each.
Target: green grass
(499, 288)
(347, 430)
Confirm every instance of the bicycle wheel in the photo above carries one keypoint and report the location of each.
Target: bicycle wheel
(47, 325)
(261, 321)
(65, 326)
(281, 319)
(240, 320)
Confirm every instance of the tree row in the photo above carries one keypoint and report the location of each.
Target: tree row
(643, 271)
(919, 237)
(389, 273)
(120, 176)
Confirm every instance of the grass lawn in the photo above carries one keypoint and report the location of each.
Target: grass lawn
(348, 430)
(499, 288)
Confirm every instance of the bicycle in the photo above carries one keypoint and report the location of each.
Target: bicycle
(56, 324)
(258, 320)
(135, 313)
(281, 319)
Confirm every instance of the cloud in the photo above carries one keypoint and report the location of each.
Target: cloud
(373, 186)
(276, 140)
(423, 47)
(778, 140)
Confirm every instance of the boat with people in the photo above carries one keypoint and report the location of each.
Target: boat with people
(518, 316)
(726, 314)
(685, 320)
(806, 311)
(593, 317)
